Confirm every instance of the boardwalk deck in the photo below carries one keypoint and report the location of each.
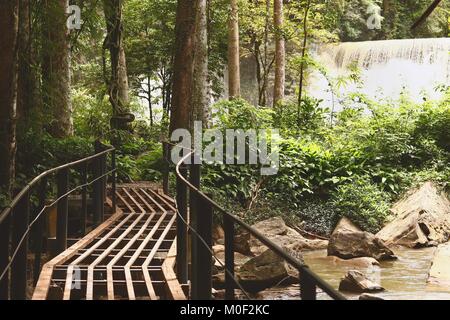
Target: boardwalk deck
(130, 256)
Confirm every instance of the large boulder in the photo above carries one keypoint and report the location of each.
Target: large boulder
(276, 230)
(348, 243)
(267, 270)
(345, 224)
(421, 218)
(356, 281)
(439, 277)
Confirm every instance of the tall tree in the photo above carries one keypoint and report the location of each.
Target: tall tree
(234, 79)
(183, 68)
(118, 83)
(303, 56)
(26, 74)
(56, 67)
(200, 97)
(280, 53)
(8, 91)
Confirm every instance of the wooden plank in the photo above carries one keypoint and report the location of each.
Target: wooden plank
(125, 202)
(173, 285)
(132, 260)
(163, 200)
(134, 200)
(118, 256)
(90, 273)
(153, 200)
(44, 282)
(143, 200)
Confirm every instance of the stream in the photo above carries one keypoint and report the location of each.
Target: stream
(403, 279)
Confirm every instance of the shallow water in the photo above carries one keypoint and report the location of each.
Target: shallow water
(403, 279)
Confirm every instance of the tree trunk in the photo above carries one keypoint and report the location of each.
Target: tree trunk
(302, 63)
(183, 67)
(56, 68)
(234, 80)
(280, 53)
(26, 76)
(8, 91)
(118, 82)
(200, 97)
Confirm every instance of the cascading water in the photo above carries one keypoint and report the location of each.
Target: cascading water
(387, 67)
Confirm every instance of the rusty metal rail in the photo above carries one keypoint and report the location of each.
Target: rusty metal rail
(201, 209)
(22, 222)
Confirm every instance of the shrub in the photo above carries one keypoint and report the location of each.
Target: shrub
(362, 202)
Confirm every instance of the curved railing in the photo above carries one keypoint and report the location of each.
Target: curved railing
(17, 226)
(200, 211)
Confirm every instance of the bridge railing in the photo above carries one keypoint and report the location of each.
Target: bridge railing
(199, 222)
(22, 221)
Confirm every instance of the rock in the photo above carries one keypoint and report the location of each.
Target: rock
(242, 243)
(439, 277)
(368, 296)
(421, 218)
(267, 270)
(356, 281)
(345, 224)
(218, 248)
(239, 259)
(348, 244)
(277, 231)
(218, 234)
(358, 263)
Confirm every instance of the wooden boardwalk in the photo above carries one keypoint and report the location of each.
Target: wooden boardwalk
(130, 256)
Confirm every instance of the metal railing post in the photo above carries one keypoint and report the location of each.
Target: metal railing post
(166, 158)
(39, 231)
(229, 257)
(21, 216)
(5, 229)
(194, 177)
(204, 255)
(97, 192)
(62, 210)
(182, 241)
(307, 286)
(84, 206)
(104, 184)
(113, 182)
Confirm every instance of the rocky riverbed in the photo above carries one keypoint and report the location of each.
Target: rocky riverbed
(409, 262)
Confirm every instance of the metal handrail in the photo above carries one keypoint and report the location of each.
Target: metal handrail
(303, 269)
(15, 223)
(7, 211)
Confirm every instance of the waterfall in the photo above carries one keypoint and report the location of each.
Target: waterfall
(387, 67)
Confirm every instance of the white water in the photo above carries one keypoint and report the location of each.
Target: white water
(387, 68)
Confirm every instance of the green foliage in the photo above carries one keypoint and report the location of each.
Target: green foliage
(362, 202)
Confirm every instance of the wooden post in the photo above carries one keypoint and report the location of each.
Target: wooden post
(21, 216)
(229, 257)
(62, 211)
